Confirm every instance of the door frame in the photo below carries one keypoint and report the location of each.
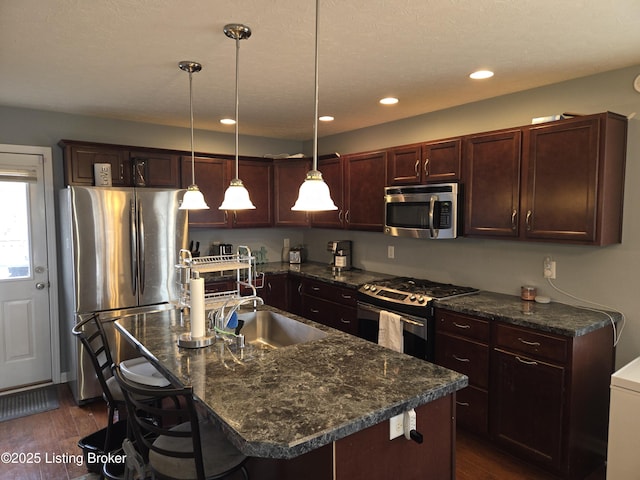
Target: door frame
(52, 258)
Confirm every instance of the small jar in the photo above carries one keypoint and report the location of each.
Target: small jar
(528, 293)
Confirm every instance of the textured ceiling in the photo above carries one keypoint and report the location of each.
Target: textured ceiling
(119, 58)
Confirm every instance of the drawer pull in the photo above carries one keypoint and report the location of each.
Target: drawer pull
(461, 325)
(462, 404)
(313, 310)
(315, 289)
(531, 344)
(460, 359)
(526, 362)
(345, 321)
(346, 297)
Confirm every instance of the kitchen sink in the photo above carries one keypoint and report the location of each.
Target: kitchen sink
(269, 330)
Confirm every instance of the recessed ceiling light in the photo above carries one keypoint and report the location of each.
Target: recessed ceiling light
(228, 121)
(326, 118)
(481, 74)
(388, 101)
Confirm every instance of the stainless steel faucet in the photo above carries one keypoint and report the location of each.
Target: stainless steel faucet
(222, 320)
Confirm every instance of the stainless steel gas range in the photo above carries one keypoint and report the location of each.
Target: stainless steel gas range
(411, 298)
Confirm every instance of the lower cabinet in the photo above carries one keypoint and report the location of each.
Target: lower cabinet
(275, 291)
(544, 397)
(330, 305)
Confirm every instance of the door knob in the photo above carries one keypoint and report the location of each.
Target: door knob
(41, 285)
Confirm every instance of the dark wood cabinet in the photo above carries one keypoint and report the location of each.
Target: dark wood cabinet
(492, 184)
(257, 176)
(462, 344)
(288, 175)
(79, 158)
(153, 169)
(560, 181)
(130, 166)
(275, 291)
(332, 173)
(212, 178)
(431, 162)
(330, 305)
(295, 294)
(365, 179)
(573, 180)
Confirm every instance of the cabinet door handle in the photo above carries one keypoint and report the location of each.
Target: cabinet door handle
(299, 289)
(269, 287)
(459, 325)
(426, 167)
(235, 217)
(121, 171)
(531, 344)
(460, 359)
(226, 216)
(340, 216)
(528, 219)
(526, 362)
(346, 216)
(462, 404)
(313, 310)
(416, 167)
(514, 216)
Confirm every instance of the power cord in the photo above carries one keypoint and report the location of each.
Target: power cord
(617, 333)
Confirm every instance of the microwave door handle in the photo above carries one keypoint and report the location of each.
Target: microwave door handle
(432, 206)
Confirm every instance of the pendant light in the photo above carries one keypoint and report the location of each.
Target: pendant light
(314, 195)
(236, 196)
(193, 198)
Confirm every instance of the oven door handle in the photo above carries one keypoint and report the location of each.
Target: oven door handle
(404, 318)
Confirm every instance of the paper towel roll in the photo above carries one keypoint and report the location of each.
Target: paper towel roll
(196, 286)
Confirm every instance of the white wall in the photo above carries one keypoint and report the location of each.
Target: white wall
(606, 275)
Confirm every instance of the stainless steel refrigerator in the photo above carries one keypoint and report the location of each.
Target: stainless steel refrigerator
(120, 247)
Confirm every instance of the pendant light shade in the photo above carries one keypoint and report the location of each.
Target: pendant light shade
(236, 197)
(314, 195)
(193, 198)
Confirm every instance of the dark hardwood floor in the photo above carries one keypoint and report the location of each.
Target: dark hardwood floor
(57, 433)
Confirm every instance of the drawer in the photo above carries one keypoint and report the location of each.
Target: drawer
(463, 325)
(342, 295)
(472, 410)
(532, 343)
(464, 356)
(331, 314)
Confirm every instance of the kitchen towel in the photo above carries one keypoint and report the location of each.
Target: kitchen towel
(390, 331)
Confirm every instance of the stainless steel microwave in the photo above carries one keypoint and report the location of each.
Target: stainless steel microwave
(423, 211)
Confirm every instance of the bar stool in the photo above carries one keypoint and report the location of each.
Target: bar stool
(92, 335)
(174, 450)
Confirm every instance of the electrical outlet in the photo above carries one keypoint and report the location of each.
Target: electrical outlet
(396, 426)
(549, 268)
(391, 251)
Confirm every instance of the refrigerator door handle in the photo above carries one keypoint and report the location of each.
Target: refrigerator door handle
(141, 255)
(133, 232)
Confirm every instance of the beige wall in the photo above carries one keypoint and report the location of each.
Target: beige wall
(606, 275)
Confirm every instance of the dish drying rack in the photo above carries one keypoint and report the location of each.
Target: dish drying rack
(242, 262)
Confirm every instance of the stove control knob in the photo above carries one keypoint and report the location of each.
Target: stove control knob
(373, 288)
(420, 299)
(412, 298)
(366, 287)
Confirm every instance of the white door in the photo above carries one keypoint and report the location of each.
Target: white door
(25, 326)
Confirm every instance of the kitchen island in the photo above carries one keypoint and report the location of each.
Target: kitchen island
(317, 409)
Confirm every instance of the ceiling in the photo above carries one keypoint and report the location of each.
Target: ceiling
(119, 59)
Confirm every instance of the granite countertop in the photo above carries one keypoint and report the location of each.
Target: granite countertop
(286, 402)
(551, 317)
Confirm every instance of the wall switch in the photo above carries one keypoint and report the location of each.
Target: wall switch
(396, 426)
(391, 251)
(549, 268)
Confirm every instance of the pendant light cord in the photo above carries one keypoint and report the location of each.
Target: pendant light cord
(193, 156)
(237, 99)
(315, 118)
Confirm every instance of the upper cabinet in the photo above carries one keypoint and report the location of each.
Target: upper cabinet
(288, 175)
(356, 183)
(431, 162)
(129, 167)
(561, 181)
(257, 176)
